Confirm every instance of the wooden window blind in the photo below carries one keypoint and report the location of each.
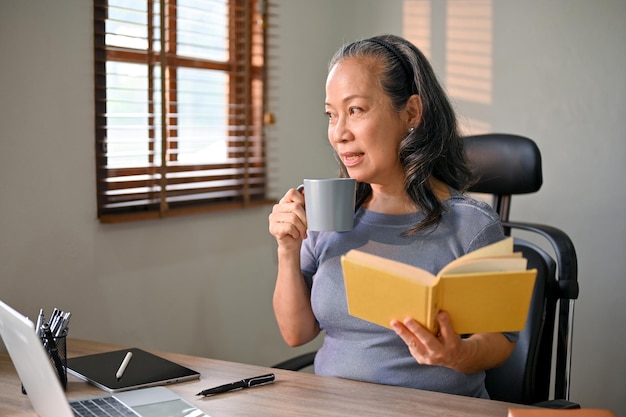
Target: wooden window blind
(179, 97)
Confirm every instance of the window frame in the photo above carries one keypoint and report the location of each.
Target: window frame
(174, 188)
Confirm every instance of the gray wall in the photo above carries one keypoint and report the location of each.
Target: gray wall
(556, 74)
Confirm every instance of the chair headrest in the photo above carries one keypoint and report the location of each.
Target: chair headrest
(505, 164)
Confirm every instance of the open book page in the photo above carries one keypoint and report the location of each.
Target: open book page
(498, 249)
(513, 262)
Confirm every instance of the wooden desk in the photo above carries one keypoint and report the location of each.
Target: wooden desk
(293, 393)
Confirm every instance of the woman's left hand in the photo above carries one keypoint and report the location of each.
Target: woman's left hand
(444, 349)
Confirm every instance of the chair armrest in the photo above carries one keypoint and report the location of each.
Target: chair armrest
(566, 257)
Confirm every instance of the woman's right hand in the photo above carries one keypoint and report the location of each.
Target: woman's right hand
(287, 222)
(292, 297)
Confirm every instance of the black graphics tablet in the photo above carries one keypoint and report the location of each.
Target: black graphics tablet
(144, 369)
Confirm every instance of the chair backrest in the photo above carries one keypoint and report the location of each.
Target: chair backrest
(507, 165)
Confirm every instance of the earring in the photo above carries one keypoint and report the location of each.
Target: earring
(411, 129)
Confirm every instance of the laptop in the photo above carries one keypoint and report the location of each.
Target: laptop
(46, 394)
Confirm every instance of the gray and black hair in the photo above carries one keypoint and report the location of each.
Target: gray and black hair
(435, 147)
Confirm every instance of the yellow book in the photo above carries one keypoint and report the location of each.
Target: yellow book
(487, 290)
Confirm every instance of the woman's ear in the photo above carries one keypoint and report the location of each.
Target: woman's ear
(414, 110)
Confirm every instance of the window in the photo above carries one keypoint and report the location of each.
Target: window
(179, 106)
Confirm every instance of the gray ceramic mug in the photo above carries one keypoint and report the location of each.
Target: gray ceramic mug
(329, 204)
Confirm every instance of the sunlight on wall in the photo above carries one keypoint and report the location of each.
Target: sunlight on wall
(469, 50)
(416, 24)
(468, 30)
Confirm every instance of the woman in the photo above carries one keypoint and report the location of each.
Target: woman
(394, 131)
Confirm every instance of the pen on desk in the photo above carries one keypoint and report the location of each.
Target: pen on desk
(244, 383)
(122, 368)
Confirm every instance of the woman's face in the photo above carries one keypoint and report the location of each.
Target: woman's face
(363, 128)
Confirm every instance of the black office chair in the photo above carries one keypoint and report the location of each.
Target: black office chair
(509, 165)
(506, 165)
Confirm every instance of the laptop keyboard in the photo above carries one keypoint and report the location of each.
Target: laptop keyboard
(101, 407)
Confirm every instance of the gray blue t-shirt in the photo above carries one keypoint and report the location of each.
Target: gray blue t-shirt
(356, 349)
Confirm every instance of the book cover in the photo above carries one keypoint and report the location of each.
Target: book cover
(488, 290)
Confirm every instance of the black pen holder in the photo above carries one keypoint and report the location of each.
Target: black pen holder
(57, 352)
(61, 368)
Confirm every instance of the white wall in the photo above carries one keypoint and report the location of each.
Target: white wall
(557, 76)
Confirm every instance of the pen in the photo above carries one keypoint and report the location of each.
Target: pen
(63, 324)
(41, 318)
(53, 318)
(244, 383)
(122, 368)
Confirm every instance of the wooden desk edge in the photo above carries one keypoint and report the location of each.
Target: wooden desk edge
(293, 393)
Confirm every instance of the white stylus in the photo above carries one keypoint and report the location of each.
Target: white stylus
(122, 368)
